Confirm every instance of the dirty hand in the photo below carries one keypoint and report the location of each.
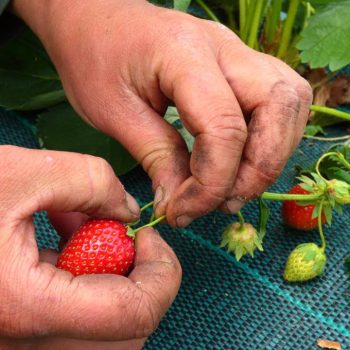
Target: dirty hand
(41, 301)
(121, 62)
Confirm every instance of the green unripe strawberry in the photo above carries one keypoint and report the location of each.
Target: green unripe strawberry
(305, 262)
(241, 239)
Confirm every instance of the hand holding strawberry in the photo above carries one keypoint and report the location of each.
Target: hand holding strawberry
(48, 301)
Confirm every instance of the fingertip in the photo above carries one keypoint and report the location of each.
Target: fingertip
(151, 248)
(132, 205)
(232, 206)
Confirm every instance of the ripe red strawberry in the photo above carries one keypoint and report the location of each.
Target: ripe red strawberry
(299, 216)
(98, 246)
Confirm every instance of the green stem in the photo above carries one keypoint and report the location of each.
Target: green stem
(207, 10)
(152, 217)
(329, 139)
(340, 157)
(249, 19)
(241, 220)
(309, 10)
(151, 224)
(253, 34)
(273, 19)
(330, 111)
(231, 19)
(320, 228)
(147, 206)
(317, 168)
(242, 15)
(291, 197)
(288, 28)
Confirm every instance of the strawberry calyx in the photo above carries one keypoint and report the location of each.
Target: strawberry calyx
(241, 239)
(131, 232)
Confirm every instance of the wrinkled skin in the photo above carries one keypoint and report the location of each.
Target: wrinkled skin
(43, 307)
(123, 62)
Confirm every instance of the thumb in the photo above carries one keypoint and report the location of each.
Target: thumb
(63, 182)
(110, 307)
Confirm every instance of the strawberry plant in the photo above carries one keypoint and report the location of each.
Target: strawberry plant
(307, 205)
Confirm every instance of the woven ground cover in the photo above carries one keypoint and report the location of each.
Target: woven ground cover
(223, 304)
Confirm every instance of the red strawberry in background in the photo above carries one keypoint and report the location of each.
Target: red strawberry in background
(98, 246)
(299, 216)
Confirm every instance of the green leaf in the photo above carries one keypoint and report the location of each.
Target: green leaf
(182, 5)
(264, 212)
(60, 128)
(325, 41)
(324, 120)
(338, 208)
(322, 3)
(312, 130)
(307, 187)
(330, 167)
(315, 211)
(173, 118)
(327, 209)
(172, 115)
(28, 80)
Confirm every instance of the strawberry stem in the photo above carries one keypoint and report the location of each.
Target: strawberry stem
(340, 157)
(291, 197)
(241, 220)
(330, 111)
(146, 206)
(151, 224)
(327, 139)
(320, 228)
(208, 11)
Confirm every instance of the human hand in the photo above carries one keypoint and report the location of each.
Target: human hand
(121, 62)
(41, 301)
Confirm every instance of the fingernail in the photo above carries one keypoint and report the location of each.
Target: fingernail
(234, 205)
(158, 196)
(183, 221)
(132, 205)
(159, 202)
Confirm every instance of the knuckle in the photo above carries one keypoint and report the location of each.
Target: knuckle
(99, 179)
(182, 29)
(283, 90)
(267, 170)
(304, 91)
(227, 124)
(158, 154)
(100, 169)
(287, 99)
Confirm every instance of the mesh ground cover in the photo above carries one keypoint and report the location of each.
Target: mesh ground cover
(223, 304)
